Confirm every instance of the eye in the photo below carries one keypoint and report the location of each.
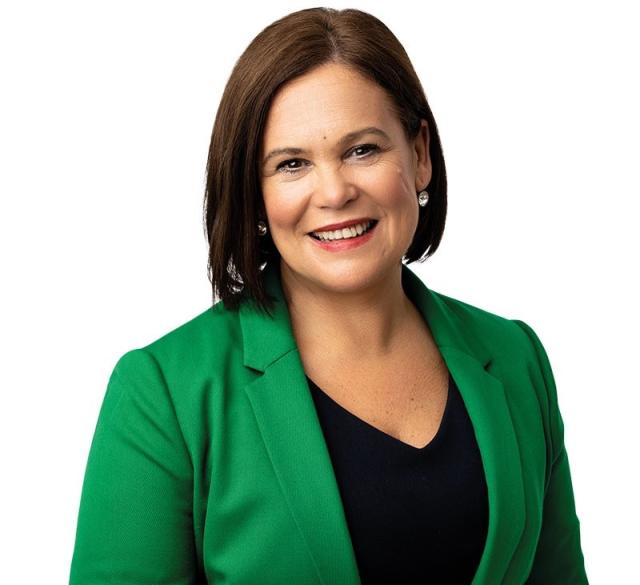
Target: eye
(369, 147)
(284, 166)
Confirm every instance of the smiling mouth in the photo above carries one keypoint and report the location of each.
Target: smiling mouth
(350, 233)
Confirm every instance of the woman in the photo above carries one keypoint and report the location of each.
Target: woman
(330, 420)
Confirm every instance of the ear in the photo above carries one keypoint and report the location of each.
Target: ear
(421, 157)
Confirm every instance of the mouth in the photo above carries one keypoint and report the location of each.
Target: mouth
(349, 233)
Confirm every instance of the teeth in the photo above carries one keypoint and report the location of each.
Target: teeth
(345, 233)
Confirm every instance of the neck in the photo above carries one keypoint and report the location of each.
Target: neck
(360, 324)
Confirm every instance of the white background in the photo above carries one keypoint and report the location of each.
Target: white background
(105, 119)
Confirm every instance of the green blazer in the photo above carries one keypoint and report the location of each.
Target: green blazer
(209, 465)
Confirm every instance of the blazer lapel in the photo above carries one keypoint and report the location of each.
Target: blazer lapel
(293, 437)
(477, 376)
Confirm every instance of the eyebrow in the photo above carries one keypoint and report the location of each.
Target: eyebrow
(292, 150)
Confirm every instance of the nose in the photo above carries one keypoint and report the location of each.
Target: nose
(333, 188)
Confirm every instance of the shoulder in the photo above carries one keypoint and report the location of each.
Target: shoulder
(504, 344)
(501, 334)
(513, 351)
(212, 331)
(191, 350)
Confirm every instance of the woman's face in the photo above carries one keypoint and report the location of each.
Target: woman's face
(330, 175)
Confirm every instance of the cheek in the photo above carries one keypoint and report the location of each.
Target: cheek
(284, 207)
(397, 195)
(394, 186)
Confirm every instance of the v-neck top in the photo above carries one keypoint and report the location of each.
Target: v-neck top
(414, 514)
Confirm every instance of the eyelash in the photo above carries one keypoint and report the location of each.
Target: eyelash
(283, 168)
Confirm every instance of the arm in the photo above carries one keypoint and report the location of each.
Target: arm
(558, 558)
(135, 523)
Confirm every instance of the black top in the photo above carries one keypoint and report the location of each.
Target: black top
(415, 515)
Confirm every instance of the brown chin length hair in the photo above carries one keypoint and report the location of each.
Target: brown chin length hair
(284, 50)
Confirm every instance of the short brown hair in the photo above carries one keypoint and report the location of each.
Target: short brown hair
(284, 50)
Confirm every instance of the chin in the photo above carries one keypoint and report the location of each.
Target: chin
(337, 277)
(348, 280)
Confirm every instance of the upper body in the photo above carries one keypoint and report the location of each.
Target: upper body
(208, 460)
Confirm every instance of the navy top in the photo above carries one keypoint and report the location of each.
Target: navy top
(415, 515)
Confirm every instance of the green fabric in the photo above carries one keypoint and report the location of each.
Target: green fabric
(209, 465)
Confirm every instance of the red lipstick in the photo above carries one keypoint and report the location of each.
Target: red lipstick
(343, 244)
(344, 224)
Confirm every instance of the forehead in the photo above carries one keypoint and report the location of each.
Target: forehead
(328, 100)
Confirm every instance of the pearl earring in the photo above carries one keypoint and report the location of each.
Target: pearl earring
(423, 198)
(262, 228)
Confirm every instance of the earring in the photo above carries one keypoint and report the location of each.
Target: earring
(262, 228)
(423, 198)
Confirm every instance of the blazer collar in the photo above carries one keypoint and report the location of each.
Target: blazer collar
(268, 338)
(292, 434)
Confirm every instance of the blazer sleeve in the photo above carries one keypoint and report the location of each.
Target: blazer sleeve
(135, 521)
(558, 559)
